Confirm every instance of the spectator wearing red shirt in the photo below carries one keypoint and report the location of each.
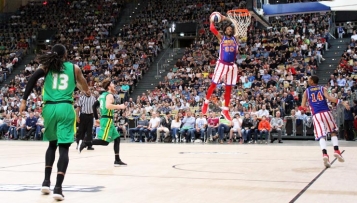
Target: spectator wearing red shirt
(212, 122)
(291, 69)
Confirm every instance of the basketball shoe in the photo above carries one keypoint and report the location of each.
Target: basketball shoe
(119, 163)
(326, 160)
(45, 189)
(57, 194)
(337, 154)
(225, 113)
(82, 145)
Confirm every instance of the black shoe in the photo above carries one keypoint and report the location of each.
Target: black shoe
(119, 163)
(82, 145)
(280, 141)
(90, 148)
(45, 189)
(57, 194)
(271, 141)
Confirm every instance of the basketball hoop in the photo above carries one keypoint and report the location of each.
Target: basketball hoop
(241, 19)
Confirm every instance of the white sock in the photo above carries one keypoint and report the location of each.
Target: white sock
(334, 140)
(322, 142)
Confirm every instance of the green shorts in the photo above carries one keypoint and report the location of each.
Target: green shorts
(108, 132)
(59, 122)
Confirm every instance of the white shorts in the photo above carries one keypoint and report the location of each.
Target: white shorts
(226, 71)
(323, 124)
(236, 129)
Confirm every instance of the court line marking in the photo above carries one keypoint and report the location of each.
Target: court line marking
(278, 181)
(311, 182)
(165, 177)
(40, 162)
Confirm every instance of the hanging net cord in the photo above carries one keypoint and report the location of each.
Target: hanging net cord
(241, 21)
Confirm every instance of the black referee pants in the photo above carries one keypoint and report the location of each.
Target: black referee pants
(348, 127)
(85, 128)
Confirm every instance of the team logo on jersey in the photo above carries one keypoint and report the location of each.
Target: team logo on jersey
(68, 188)
(228, 42)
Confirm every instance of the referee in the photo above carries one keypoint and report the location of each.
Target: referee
(85, 119)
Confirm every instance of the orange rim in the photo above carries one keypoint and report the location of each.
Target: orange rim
(240, 12)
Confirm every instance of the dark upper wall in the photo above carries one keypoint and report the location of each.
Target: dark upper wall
(12, 5)
(344, 16)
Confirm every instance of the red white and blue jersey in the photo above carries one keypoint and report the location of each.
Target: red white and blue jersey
(228, 49)
(316, 99)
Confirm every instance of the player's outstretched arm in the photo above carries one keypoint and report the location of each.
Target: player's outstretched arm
(30, 85)
(335, 100)
(215, 32)
(303, 101)
(110, 103)
(81, 81)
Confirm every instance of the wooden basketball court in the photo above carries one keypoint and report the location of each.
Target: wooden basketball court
(184, 173)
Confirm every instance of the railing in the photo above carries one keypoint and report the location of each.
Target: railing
(166, 58)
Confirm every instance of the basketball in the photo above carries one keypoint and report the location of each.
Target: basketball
(215, 17)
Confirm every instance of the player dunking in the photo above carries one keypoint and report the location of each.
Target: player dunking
(58, 112)
(108, 131)
(317, 97)
(225, 67)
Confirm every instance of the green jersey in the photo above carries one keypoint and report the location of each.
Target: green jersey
(103, 109)
(60, 86)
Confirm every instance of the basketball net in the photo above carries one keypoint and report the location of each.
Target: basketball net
(241, 20)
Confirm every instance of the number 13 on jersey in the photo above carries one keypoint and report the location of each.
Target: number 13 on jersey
(60, 81)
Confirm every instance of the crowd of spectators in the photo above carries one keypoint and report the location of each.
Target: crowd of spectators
(84, 27)
(274, 64)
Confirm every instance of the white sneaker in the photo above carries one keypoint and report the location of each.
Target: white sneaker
(45, 190)
(326, 160)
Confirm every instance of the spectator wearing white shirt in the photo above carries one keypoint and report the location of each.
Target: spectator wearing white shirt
(243, 77)
(153, 125)
(201, 124)
(263, 112)
(354, 36)
(21, 124)
(237, 128)
(341, 82)
(350, 82)
(175, 127)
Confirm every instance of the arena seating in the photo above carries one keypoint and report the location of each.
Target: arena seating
(274, 63)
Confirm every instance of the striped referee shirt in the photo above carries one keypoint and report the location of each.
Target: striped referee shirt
(86, 104)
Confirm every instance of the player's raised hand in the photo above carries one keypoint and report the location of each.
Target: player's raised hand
(346, 105)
